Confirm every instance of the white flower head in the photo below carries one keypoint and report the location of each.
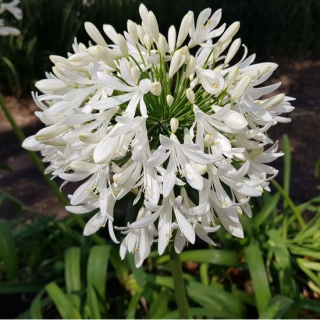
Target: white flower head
(142, 114)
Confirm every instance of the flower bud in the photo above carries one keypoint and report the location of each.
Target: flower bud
(217, 51)
(235, 120)
(122, 43)
(208, 140)
(233, 50)
(273, 101)
(176, 63)
(94, 34)
(184, 28)
(191, 66)
(185, 52)
(105, 57)
(153, 25)
(132, 30)
(174, 124)
(232, 76)
(135, 74)
(201, 168)
(155, 88)
(240, 88)
(162, 45)
(147, 41)
(140, 33)
(51, 132)
(230, 32)
(172, 37)
(190, 95)
(169, 99)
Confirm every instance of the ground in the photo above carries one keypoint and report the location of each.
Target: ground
(299, 77)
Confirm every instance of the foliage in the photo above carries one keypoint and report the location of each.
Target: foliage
(48, 27)
(272, 273)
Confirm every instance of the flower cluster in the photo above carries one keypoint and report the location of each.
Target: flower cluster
(16, 12)
(167, 119)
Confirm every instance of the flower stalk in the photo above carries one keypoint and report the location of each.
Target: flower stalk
(179, 288)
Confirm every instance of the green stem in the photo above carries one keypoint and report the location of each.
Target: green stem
(39, 165)
(179, 288)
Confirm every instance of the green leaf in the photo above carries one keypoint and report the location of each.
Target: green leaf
(193, 312)
(120, 266)
(62, 303)
(138, 273)
(212, 256)
(21, 287)
(93, 303)
(8, 250)
(258, 275)
(313, 305)
(260, 218)
(159, 306)
(97, 269)
(132, 307)
(282, 256)
(72, 275)
(244, 297)
(36, 306)
(277, 307)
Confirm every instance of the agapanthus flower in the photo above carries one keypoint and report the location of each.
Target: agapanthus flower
(172, 121)
(16, 12)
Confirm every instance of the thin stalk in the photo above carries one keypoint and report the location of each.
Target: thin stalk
(39, 165)
(179, 288)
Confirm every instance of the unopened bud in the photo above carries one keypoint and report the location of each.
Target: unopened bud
(140, 33)
(190, 95)
(147, 41)
(232, 76)
(230, 32)
(135, 74)
(94, 34)
(273, 101)
(172, 38)
(185, 52)
(176, 62)
(240, 88)
(122, 43)
(233, 50)
(132, 30)
(184, 28)
(191, 67)
(174, 124)
(105, 57)
(162, 45)
(156, 88)
(169, 99)
(153, 25)
(208, 140)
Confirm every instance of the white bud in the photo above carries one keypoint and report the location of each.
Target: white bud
(135, 74)
(174, 124)
(233, 50)
(240, 88)
(162, 45)
(208, 140)
(89, 138)
(176, 62)
(105, 57)
(190, 95)
(155, 88)
(172, 38)
(184, 28)
(273, 101)
(132, 30)
(232, 76)
(201, 168)
(122, 43)
(217, 51)
(140, 33)
(191, 67)
(185, 52)
(147, 41)
(153, 25)
(235, 120)
(169, 99)
(111, 33)
(51, 132)
(230, 32)
(94, 34)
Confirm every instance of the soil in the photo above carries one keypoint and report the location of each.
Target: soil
(300, 78)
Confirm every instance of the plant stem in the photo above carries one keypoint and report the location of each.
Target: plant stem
(179, 288)
(39, 165)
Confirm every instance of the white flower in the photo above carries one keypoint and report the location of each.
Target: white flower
(140, 114)
(16, 12)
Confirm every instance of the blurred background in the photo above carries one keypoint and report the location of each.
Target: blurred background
(282, 31)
